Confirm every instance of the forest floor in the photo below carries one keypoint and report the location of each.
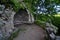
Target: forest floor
(30, 32)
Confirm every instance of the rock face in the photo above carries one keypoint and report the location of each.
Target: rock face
(51, 30)
(9, 18)
(57, 37)
(6, 22)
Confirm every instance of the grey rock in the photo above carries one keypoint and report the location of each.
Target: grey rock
(51, 27)
(6, 26)
(8, 19)
(57, 37)
(1, 8)
(53, 36)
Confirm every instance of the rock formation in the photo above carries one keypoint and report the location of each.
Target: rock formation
(6, 22)
(9, 18)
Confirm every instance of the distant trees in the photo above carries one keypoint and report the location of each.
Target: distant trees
(46, 6)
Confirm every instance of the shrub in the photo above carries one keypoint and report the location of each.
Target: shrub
(56, 22)
(40, 23)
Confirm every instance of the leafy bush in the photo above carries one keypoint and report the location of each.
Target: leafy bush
(56, 22)
(41, 17)
(40, 23)
(17, 5)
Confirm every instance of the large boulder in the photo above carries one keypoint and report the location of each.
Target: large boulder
(9, 18)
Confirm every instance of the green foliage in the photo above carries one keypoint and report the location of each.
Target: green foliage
(56, 21)
(40, 23)
(30, 4)
(41, 17)
(17, 5)
(57, 1)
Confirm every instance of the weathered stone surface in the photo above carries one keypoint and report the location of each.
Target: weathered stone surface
(9, 18)
(51, 30)
(6, 22)
(1, 9)
(57, 37)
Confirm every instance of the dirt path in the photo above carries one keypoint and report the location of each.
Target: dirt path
(31, 32)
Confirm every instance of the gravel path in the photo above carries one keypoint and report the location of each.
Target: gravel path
(31, 32)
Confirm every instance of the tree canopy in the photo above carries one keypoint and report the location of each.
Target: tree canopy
(46, 6)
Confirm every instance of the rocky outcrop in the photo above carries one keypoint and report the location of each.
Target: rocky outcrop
(6, 22)
(9, 18)
(51, 30)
